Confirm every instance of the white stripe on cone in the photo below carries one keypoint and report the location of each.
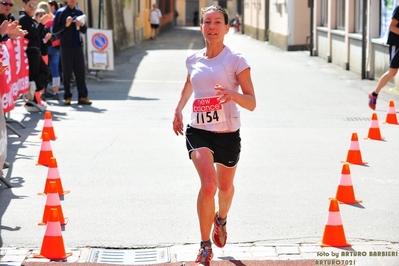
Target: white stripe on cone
(334, 219)
(346, 180)
(53, 229)
(354, 146)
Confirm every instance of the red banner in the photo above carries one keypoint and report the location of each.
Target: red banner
(14, 81)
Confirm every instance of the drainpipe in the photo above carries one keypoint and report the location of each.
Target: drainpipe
(100, 12)
(90, 12)
(311, 2)
(364, 39)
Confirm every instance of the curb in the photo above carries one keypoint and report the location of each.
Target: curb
(361, 253)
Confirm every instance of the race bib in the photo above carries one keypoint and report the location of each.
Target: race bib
(207, 111)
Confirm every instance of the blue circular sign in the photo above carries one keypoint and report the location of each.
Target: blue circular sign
(100, 41)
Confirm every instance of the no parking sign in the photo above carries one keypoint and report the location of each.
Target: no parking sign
(100, 49)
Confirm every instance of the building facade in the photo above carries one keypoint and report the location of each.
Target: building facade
(348, 33)
(353, 33)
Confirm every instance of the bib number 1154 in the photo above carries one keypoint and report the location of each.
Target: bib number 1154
(207, 111)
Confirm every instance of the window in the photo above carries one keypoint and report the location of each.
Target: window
(341, 14)
(324, 13)
(358, 16)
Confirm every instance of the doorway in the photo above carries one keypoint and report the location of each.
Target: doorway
(192, 12)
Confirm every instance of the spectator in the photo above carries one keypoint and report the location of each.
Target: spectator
(237, 23)
(45, 6)
(196, 17)
(155, 16)
(53, 50)
(5, 10)
(6, 15)
(8, 22)
(11, 30)
(38, 71)
(39, 13)
(69, 28)
(54, 6)
(175, 16)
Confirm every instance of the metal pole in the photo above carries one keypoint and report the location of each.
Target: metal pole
(364, 39)
(311, 2)
(100, 12)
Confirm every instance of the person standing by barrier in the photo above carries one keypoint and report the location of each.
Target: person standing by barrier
(5, 10)
(53, 49)
(10, 28)
(6, 15)
(69, 29)
(155, 17)
(213, 141)
(393, 42)
(38, 71)
(175, 16)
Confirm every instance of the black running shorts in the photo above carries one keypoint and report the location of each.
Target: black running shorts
(394, 56)
(225, 147)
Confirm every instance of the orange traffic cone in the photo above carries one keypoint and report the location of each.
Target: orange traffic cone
(374, 131)
(48, 126)
(345, 192)
(53, 202)
(53, 244)
(45, 151)
(391, 115)
(54, 175)
(354, 155)
(334, 235)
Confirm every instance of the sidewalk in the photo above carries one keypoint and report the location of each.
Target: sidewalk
(283, 253)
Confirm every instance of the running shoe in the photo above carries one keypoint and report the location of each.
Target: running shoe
(219, 235)
(204, 256)
(372, 100)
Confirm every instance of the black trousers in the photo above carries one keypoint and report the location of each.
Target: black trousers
(72, 59)
(38, 70)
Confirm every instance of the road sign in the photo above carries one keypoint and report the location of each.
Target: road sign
(99, 41)
(100, 51)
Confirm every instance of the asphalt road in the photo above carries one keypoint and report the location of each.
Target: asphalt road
(132, 184)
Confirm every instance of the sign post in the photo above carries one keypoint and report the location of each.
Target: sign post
(100, 49)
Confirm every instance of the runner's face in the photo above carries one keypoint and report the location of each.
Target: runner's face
(213, 27)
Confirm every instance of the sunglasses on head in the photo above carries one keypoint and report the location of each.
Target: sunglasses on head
(7, 4)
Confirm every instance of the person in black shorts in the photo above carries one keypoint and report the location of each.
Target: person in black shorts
(393, 42)
(220, 81)
(155, 19)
